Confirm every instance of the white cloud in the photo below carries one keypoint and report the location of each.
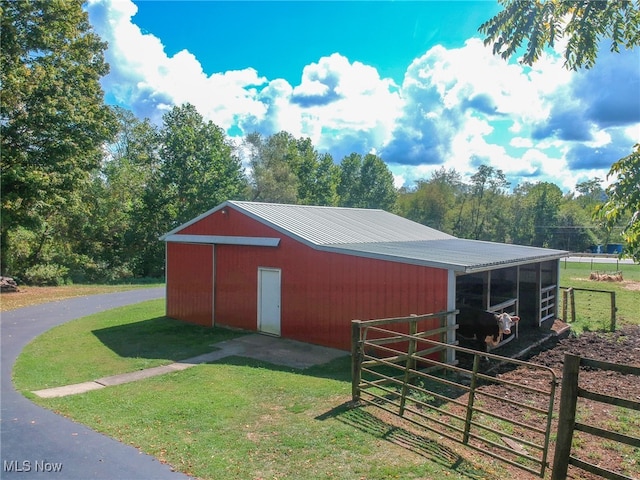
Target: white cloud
(149, 81)
(346, 102)
(349, 101)
(458, 107)
(463, 106)
(398, 180)
(633, 133)
(521, 142)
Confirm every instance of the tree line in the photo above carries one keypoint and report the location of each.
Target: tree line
(152, 179)
(87, 189)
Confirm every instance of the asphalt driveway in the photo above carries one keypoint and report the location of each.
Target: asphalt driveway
(35, 442)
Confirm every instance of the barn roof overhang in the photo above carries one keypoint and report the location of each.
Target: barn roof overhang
(223, 240)
(460, 255)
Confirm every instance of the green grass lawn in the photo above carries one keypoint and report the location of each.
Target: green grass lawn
(593, 310)
(233, 419)
(117, 341)
(241, 419)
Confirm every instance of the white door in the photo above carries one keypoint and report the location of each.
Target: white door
(269, 300)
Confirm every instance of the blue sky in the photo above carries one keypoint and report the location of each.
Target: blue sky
(410, 81)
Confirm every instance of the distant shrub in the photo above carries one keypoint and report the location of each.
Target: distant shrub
(48, 274)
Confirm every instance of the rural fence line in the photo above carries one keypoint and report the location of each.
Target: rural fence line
(567, 423)
(569, 304)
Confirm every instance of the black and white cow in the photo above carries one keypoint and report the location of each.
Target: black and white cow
(486, 327)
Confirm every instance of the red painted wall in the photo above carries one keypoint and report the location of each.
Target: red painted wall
(190, 282)
(321, 292)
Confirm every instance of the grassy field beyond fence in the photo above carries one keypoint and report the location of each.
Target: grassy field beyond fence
(593, 310)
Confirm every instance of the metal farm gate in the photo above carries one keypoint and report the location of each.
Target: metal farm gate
(414, 375)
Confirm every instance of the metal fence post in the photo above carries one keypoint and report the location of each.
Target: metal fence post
(472, 395)
(356, 360)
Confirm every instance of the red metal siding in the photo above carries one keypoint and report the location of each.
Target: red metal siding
(342, 288)
(321, 292)
(230, 223)
(190, 282)
(237, 285)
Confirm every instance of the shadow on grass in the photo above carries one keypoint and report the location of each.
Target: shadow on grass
(338, 369)
(426, 447)
(162, 337)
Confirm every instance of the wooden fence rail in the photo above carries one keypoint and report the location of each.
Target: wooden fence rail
(567, 419)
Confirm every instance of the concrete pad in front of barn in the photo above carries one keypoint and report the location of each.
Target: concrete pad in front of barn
(265, 348)
(280, 351)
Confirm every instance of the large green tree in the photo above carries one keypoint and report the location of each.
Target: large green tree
(289, 170)
(200, 166)
(535, 219)
(433, 201)
(480, 216)
(272, 176)
(536, 25)
(127, 205)
(53, 121)
(576, 231)
(317, 175)
(366, 182)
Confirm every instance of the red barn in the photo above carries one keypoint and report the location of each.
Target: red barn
(304, 272)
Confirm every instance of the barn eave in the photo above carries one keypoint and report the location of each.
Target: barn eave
(458, 255)
(223, 240)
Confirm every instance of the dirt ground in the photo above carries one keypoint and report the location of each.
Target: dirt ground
(621, 347)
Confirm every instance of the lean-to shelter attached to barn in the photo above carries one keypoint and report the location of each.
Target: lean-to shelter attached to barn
(304, 272)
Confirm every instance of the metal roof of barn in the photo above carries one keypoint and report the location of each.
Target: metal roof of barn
(382, 235)
(457, 254)
(339, 225)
